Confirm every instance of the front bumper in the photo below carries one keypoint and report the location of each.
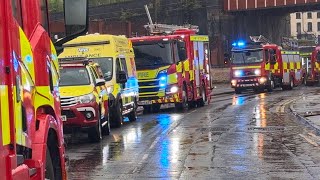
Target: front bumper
(249, 83)
(76, 116)
(169, 98)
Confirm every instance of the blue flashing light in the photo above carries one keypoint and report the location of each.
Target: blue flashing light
(163, 81)
(239, 44)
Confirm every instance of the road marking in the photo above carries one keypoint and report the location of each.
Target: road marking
(154, 143)
(282, 106)
(145, 157)
(309, 140)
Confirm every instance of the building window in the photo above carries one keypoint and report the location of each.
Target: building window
(318, 15)
(299, 28)
(309, 26)
(319, 26)
(298, 15)
(309, 15)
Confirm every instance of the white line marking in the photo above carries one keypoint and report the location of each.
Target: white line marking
(309, 140)
(154, 143)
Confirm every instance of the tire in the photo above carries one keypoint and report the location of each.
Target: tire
(146, 109)
(95, 133)
(203, 100)
(133, 115)
(49, 171)
(291, 84)
(237, 91)
(118, 118)
(106, 129)
(156, 108)
(271, 86)
(184, 104)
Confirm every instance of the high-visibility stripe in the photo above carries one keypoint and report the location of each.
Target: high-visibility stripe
(5, 122)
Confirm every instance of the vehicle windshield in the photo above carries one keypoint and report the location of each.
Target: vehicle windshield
(247, 57)
(74, 76)
(153, 54)
(106, 65)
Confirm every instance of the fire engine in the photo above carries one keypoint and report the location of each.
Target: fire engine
(31, 137)
(173, 66)
(261, 65)
(314, 70)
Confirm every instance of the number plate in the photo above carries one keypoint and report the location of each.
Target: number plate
(141, 103)
(64, 118)
(247, 85)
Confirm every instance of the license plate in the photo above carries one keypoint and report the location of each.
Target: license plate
(64, 118)
(144, 103)
(247, 85)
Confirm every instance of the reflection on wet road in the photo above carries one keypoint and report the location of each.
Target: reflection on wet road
(235, 137)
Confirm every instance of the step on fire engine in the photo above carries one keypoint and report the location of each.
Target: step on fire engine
(260, 65)
(173, 66)
(31, 137)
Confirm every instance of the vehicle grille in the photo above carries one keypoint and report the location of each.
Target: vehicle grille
(149, 86)
(68, 113)
(68, 101)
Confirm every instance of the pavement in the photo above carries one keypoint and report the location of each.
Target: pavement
(222, 88)
(307, 109)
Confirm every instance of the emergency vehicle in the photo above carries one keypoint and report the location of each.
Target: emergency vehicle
(31, 135)
(84, 98)
(261, 65)
(314, 68)
(172, 68)
(115, 56)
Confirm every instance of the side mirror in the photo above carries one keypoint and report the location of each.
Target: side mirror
(76, 19)
(122, 77)
(100, 82)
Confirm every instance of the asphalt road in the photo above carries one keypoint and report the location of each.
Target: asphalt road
(248, 136)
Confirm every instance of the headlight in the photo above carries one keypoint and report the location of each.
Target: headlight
(238, 73)
(109, 89)
(85, 99)
(262, 80)
(257, 72)
(174, 89)
(162, 78)
(234, 82)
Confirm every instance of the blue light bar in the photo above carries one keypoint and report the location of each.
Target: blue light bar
(239, 44)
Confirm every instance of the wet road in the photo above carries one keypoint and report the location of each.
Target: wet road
(249, 136)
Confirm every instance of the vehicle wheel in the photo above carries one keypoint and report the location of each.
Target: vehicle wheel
(118, 118)
(156, 108)
(106, 129)
(184, 104)
(133, 115)
(271, 86)
(146, 109)
(49, 172)
(237, 91)
(305, 83)
(95, 133)
(203, 100)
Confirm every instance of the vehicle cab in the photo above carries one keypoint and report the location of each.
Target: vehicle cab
(84, 98)
(248, 66)
(314, 75)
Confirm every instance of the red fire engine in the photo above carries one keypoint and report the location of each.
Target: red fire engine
(314, 73)
(31, 137)
(263, 65)
(173, 66)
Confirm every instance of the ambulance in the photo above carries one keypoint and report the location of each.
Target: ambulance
(115, 56)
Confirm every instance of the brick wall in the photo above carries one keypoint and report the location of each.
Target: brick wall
(220, 75)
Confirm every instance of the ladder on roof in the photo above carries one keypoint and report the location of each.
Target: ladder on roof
(166, 28)
(260, 39)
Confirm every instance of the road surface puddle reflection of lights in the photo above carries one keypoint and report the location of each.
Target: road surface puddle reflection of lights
(238, 100)
(261, 121)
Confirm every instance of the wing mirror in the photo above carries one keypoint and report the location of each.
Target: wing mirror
(122, 77)
(100, 82)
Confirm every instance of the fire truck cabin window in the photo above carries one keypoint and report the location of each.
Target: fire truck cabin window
(182, 51)
(247, 56)
(17, 11)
